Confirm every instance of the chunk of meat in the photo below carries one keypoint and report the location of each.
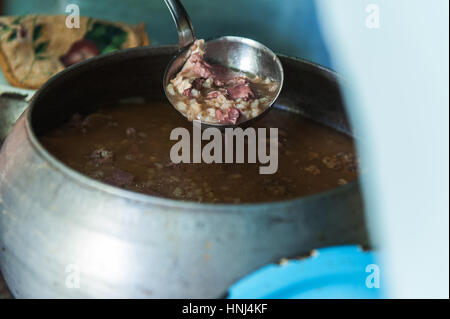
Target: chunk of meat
(198, 83)
(221, 74)
(240, 91)
(201, 67)
(230, 116)
(188, 92)
(119, 178)
(220, 115)
(195, 66)
(233, 115)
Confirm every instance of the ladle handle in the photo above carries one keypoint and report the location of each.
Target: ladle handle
(186, 33)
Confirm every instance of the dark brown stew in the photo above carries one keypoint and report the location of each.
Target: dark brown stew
(128, 145)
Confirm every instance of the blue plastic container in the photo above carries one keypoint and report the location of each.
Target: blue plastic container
(335, 272)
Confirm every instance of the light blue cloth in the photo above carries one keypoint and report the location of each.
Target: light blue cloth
(398, 99)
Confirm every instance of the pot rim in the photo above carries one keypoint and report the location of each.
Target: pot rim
(81, 178)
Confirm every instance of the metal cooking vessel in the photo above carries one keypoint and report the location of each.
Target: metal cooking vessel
(58, 226)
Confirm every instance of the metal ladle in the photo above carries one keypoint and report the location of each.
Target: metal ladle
(236, 53)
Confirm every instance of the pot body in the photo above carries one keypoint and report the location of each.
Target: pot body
(11, 107)
(63, 234)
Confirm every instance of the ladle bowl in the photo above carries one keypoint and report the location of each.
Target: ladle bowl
(236, 53)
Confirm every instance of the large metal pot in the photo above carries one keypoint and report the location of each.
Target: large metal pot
(56, 223)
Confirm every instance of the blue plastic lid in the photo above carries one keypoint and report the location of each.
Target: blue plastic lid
(333, 272)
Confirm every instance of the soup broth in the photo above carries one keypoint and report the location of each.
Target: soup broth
(128, 145)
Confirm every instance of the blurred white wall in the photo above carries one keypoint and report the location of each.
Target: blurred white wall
(398, 97)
